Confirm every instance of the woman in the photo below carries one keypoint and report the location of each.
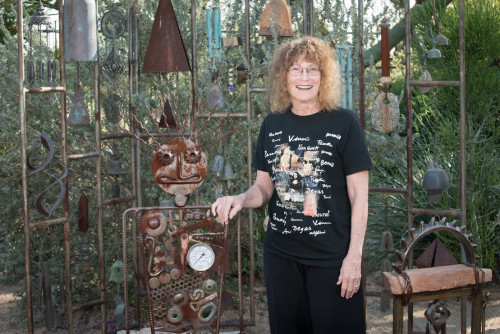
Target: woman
(314, 241)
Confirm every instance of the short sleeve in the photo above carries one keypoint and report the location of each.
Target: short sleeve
(258, 161)
(355, 156)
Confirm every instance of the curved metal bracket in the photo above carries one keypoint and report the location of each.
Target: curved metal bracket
(415, 235)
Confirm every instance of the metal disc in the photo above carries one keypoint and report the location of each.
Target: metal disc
(113, 24)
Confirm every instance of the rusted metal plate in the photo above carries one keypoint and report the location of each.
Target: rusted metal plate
(179, 167)
(166, 51)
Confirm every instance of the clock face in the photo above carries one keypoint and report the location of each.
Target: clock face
(200, 257)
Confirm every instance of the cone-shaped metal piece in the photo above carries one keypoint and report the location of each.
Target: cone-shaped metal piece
(218, 165)
(166, 51)
(116, 167)
(434, 53)
(386, 242)
(435, 180)
(80, 30)
(440, 39)
(228, 172)
(167, 119)
(276, 16)
(435, 255)
(78, 114)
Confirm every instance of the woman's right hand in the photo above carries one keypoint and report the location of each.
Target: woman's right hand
(227, 207)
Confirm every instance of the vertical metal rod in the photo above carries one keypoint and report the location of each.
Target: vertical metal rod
(249, 163)
(311, 17)
(194, 69)
(24, 163)
(98, 167)
(64, 158)
(463, 176)
(409, 142)
(361, 65)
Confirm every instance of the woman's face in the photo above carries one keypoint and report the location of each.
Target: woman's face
(303, 88)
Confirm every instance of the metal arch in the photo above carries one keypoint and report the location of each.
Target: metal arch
(433, 226)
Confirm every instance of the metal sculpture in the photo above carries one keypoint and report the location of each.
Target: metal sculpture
(166, 51)
(276, 16)
(48, 145)
(80, 30)
(183, 249)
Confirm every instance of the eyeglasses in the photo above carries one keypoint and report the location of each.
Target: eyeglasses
(312, 71)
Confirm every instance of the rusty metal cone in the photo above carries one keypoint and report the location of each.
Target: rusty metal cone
(276, 16)
(426, 76)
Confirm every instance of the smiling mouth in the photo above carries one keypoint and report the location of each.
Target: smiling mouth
(304, 87)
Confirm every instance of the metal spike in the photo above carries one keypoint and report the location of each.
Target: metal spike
(412, 233)
(422, 226)
(442, 221)
(468, 235)
(474, 246)
(406, 244)
(453, 222)
(461, 228)
(432, 221)
(400, 255)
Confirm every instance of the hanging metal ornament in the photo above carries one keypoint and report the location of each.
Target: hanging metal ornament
(214, 35)
(116, 272)
(215, 100)
(276, 16)
(386, 242)
(218, 165)
(41, 20)
(426, 76)
(230, 81)
(435, 181)
(385, 113)
(228, 174)
(166, 51)
(83, 214)
(113, 66)
(113, 24)
(78, 114)
(113, 105)
(80, 30)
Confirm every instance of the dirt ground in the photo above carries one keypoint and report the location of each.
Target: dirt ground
(88, 321)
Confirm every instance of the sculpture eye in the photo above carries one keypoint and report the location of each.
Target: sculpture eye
(192, 155)
(165, 156)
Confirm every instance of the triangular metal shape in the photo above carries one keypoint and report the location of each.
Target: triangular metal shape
(166, 51)
(435, 255)
(78, 114)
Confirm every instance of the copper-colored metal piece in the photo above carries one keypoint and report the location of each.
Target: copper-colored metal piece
(167, 119)
(166, 51)
(435, 255)
(154, 223)
(279, 12)
(83, 214)
(173, 173)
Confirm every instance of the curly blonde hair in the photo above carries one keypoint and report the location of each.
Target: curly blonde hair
(315, 51)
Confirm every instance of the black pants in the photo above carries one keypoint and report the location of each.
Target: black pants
(306, 300)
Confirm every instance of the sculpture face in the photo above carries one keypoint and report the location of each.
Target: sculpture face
(179, 168)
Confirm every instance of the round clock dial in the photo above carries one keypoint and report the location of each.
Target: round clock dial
(200, 257)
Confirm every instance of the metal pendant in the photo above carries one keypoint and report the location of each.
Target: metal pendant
(78, 114)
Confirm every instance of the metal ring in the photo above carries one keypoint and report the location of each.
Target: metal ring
(154, 223)
(204, 309)
(174, 315)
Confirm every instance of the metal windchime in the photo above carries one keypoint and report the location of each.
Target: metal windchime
(80, 30)
(218, 168)
(276, 16)
(435, 178)
(40, 23)
(116, 170)
(440, 39)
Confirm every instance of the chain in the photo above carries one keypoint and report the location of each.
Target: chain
(221, 279)
(407, 289)
(240, 290)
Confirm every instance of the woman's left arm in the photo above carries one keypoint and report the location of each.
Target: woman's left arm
(350, 272)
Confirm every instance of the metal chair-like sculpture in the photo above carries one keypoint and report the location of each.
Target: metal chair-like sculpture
(433, 284)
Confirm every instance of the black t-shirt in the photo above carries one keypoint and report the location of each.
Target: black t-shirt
(308, 159)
